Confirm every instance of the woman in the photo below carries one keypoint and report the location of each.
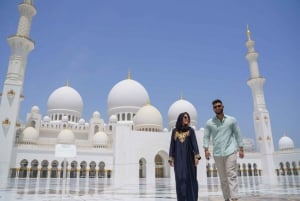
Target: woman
(184, 157)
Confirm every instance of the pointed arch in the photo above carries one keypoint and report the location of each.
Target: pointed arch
(142, 168)
(54, 169)
(44, 169)
(101, 172)
(162, 168)
(92, 171)
(73, 172)
(23, 169)
(34, 169)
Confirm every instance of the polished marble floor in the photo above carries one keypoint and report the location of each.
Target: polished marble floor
(287, 189)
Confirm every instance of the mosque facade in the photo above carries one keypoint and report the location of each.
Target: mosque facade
(133, 144)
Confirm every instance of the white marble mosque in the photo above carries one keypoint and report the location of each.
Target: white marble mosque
(61, 156)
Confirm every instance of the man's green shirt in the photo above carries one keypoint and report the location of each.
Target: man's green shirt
(225, 134)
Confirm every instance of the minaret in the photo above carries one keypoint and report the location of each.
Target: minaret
(262, 124)
(20, 45)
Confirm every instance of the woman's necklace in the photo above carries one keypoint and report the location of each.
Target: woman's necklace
(181, 135)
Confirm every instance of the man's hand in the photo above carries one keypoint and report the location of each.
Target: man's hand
(207, 154)
(241, 153)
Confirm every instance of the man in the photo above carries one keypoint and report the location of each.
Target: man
(227, 140)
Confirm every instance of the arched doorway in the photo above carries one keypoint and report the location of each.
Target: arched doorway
(82, 172)
(34, 169)
(159, 168)
(101, 172)
(142, 168)
(44, 169)
(162, 168)
(73, 172)
(23, 169)
(92, 171)
(54, 169)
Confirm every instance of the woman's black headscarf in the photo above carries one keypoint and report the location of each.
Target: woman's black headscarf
(179, 126)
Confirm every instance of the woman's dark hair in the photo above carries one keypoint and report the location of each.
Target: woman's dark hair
(179, 125)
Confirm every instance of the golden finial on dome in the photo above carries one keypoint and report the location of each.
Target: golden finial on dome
(248, 33)
(181, 96)
(129, 75)
(30, 2)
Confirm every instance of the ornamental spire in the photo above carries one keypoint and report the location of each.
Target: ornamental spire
(28, 2)
(248, 32)
(249, 43)
(129, 75)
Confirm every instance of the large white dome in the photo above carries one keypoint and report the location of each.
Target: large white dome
(127, 96)
(285, 143)
(182, 106)
(148, 118)
(66, 136)
(100, 139)
(65, 98)
(30, 135)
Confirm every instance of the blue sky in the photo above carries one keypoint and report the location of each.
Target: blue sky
(173, 48)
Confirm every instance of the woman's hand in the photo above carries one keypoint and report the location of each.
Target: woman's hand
(196, 161)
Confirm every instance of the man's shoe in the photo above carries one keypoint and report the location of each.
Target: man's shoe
(227, 200)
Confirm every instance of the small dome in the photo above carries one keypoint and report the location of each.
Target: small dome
(30, 135)
(46, 119)
(81, 122)
(35, 109)
(66, 136)
(127, 96)
(148, 117)
(100, 139)
(285, 143)
(96, 115)
(113, 119)
(65, 98)
(182, 106)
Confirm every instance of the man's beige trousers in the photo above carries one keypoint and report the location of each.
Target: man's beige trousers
(227, 170)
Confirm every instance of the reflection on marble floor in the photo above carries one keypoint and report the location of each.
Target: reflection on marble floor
(87, 189)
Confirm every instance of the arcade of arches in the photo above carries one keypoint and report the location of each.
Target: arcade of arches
(55, 169)
(82, 169)
(285, 168)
